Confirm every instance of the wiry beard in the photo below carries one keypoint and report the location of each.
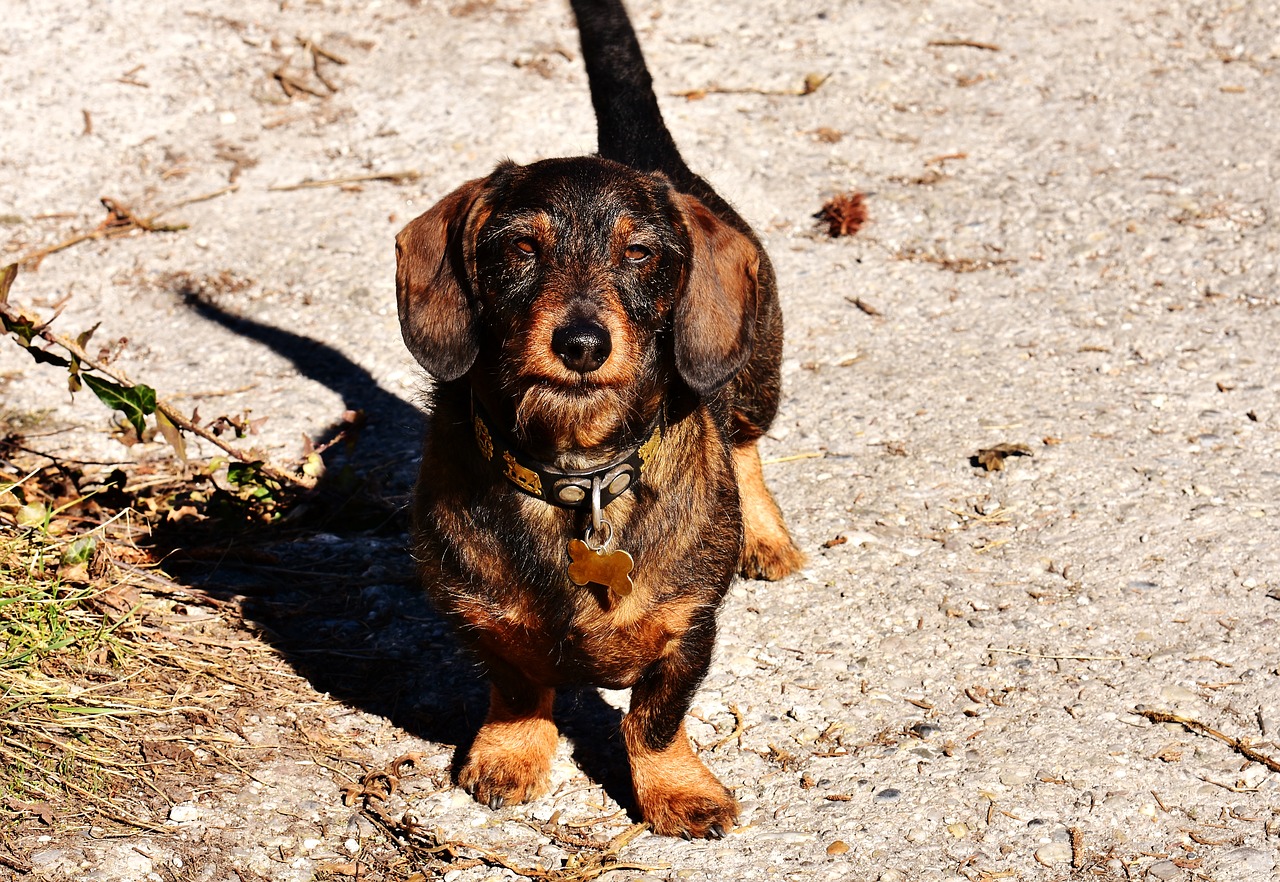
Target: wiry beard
(565, 421)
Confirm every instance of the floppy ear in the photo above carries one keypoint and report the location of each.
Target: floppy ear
(436, 321)
(715, 315)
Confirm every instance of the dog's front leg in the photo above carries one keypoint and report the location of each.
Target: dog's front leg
(676, 793)
(510, 760)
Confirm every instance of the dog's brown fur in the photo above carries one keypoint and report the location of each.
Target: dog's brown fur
(687, 297)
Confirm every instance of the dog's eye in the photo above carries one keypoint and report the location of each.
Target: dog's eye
(637, 253)
(525, 246)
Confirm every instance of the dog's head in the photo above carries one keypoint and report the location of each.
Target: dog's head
(575, 291)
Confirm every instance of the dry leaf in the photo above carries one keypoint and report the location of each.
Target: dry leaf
(844, 214)
(992, 458)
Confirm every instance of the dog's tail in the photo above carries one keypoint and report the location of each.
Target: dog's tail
(631, 129)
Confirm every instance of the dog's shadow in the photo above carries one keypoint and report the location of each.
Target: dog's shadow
(331, 585)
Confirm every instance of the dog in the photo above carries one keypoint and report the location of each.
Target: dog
(605, 338)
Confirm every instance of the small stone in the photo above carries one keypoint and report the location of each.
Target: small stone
(1014, 777)
(807, 735)
(959, 831)
(1174, 693)
(1053, 853)
(1269, 720)
(1259, 864)
(892, 876)
(787, 837)
(1165, 871)
(183, 812)
(55, 861)
(889, 794)
(838, 847)
(351, 846)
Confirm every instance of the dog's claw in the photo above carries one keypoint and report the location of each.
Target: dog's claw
(497, 801)
(715, 831)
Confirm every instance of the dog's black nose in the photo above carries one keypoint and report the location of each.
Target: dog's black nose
(582, 345)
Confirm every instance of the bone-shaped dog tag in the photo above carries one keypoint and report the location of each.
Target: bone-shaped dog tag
(611, 569)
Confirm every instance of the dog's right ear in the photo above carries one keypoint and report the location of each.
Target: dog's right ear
(432, 283)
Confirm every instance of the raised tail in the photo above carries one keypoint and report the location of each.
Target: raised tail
(631, 130)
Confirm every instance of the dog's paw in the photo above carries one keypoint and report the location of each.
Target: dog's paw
(772, 560)
(696, 809)
(677, 794)
(510, 762)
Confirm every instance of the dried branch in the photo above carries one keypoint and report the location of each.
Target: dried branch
(1235, 744)
(163, 408)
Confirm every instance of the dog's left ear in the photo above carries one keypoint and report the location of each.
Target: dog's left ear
(715, 316)
(432, 284)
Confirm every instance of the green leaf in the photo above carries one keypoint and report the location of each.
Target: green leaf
(134, 402)
(241, 473)
(44, 356)
(80, 550)
(20, 325)
(7, 275)
(172, 434)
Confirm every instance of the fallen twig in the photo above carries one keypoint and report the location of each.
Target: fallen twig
(738, 729)
(120, 221)
(167, 410)
(812, 83)
(1235, 744)
(967, 44)
(401, 177)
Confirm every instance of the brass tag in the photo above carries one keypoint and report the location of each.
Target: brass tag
(612, 569)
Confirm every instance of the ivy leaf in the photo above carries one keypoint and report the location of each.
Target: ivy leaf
(7, 275)
(172, 434)
(44, 356)
(19, 325)
(135, 403)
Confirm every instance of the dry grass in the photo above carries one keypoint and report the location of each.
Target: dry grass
(105, 704)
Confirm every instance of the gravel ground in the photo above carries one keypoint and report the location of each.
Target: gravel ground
(1072, 246)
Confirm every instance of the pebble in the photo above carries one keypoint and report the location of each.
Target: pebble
(1165, 871)
(1258, 863)
(55, 861)
(183, 813)
(787, 837)
(1174, 693)
(892, 876)
(1054, 853)
(889, 794)
(1269, 720)
(351, 846)
(838, 847)
(958, 831)
(1014, 777)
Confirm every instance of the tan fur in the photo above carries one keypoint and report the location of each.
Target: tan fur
(767, 549)
(677, 794)
(510, 760)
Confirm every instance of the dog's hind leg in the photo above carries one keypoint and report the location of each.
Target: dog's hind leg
(768, 551)
(510, 760)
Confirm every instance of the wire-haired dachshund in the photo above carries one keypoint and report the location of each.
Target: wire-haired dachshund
(605, 336)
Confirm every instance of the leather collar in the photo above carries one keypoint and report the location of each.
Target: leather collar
(566, 488)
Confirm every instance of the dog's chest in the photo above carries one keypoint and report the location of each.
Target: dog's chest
(605, 641)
